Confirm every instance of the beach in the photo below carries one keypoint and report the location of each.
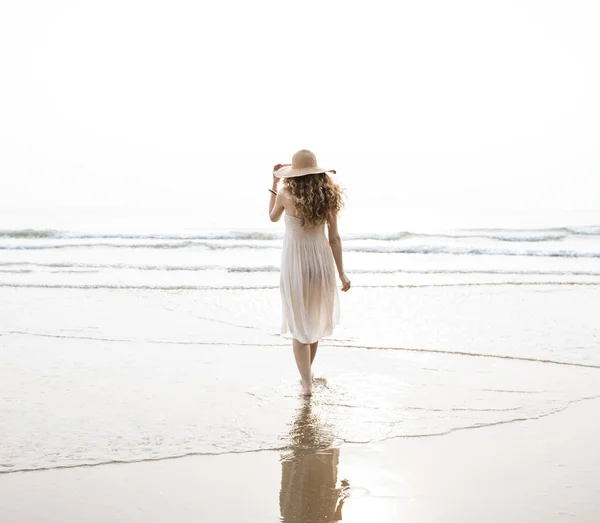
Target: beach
(146, 372)
(144, 378)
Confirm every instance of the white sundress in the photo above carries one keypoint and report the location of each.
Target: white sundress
(309, 295)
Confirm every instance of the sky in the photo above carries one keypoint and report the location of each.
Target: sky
(431, 112)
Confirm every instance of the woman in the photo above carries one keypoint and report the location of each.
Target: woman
(309, 297)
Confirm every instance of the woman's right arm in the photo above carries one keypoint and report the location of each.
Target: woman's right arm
(335, 241)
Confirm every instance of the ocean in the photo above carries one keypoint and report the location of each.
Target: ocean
(250, 259)
(122, 344)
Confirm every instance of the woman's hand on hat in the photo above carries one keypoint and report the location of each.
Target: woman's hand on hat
(275, 169)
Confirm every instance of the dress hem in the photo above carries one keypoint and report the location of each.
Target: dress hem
(326, 333)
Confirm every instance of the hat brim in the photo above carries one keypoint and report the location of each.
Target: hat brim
(288, 172)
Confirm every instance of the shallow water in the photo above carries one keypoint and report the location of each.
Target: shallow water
(101, 375)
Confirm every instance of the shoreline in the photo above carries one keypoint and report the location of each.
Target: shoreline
(345, 445)
(538, 470)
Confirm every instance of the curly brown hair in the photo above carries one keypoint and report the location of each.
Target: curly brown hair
(317, 197)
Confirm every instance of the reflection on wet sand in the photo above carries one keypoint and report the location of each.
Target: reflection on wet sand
(309, 491)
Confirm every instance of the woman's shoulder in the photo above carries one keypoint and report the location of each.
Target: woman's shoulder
(287, 201)
(285, 193)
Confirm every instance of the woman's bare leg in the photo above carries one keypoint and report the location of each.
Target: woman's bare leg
(302, 355)
(313, 351)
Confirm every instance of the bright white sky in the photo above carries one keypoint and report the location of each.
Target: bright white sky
(427, 109)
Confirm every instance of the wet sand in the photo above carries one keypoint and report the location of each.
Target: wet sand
(542, 470)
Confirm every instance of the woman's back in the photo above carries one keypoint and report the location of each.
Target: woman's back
(293, 227)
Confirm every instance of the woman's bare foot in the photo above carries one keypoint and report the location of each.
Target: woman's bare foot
(307, 387)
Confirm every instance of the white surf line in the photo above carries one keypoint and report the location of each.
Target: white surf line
(126, 340)
(365, 347)
(477, 426)
(290, 447)
(272, 268)
(261, 287)
(473, 354)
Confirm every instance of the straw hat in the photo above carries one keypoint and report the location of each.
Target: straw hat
(303, 162)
